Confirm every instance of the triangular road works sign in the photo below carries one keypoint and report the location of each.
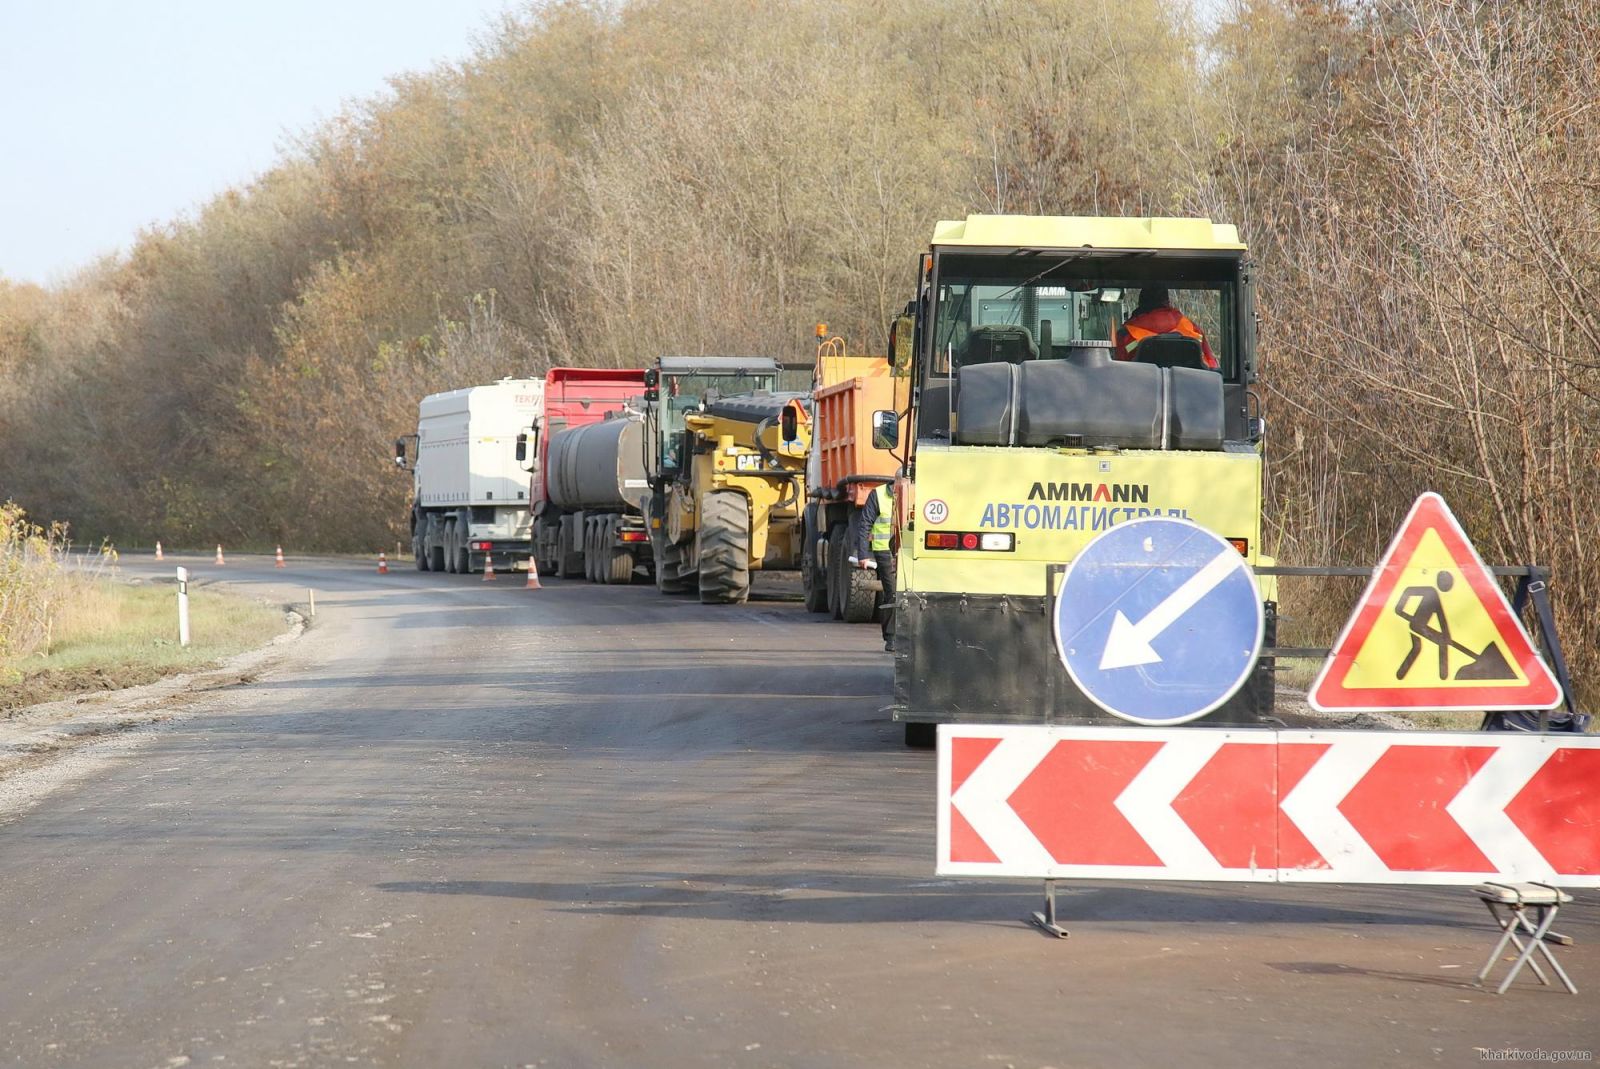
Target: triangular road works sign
(1433, 631)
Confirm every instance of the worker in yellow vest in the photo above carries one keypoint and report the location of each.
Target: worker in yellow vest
(873, 551)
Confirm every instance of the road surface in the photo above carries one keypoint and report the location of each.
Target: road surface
(467, 824)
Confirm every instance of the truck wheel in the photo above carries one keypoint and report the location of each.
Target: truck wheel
(813, 573)
(668, 581)
(724, 549)
(837, 566)
(418, 554)
(570, 566)
(452, 556)
(921, 736)
(860, 590)
(599, 553)
(435, 548)
(463, 558)
(622, 560)
(588, 550)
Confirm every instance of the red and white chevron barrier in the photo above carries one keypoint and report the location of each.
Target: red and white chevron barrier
(1333, 807)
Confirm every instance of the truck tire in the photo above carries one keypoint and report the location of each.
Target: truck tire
(588, 550)
(667, 579)
(463, 556)
(452, 555)
(813, 573)
(621, 559)
(435, 547)
(837, 566)
(724, 549)
(859, 593)
(569, 550)
(419, 555)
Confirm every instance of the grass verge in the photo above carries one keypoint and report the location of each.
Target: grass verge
(109, 635)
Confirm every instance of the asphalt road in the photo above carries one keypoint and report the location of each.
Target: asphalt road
(466, 824)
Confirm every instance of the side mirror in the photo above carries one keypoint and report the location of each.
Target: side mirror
(522, 448)
(400, 453)
(885, 429)
(651, 394)
(652, 378)
(901, 352)
(789, 423)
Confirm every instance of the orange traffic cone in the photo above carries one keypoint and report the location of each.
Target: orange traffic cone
(219, 554)
(533, 574)
(488, 568)
(383, 563)
(158, 552)
(279, 563)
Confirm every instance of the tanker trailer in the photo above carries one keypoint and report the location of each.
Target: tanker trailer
(595, 479)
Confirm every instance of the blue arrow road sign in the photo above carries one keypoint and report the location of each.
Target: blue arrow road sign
(1159, 621)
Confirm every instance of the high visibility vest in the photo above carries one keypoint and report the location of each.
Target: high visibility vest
(882, 526)
(1184, 326)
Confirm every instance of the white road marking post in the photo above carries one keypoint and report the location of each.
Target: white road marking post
(183, 606)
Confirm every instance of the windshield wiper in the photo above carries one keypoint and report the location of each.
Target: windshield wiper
(1030, 281)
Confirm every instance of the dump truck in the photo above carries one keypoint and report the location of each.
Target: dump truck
(470, 495)
(1027, 439)
(587, 485)
(725, 456)
(845, 467)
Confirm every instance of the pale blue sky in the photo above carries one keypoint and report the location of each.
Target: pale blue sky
(116, 114)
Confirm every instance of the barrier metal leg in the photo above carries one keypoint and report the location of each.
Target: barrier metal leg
(1047, 919)
(1516, 921)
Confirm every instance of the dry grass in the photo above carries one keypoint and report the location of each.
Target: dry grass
(67, 626)
(110, 635)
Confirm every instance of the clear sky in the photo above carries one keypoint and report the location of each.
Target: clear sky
(116, 114)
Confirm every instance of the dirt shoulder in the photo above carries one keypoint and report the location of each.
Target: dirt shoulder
(33, 735)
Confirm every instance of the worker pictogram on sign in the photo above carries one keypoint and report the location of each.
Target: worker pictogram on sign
(1433, 631)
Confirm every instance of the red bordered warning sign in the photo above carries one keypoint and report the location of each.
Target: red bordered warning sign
(1433, 631)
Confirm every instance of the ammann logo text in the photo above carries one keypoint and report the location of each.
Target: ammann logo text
(1132, 493)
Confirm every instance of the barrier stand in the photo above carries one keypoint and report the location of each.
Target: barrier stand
(1047, 919)
(1518, 900)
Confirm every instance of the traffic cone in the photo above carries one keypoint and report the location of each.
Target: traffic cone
(219, 554)
(533, 574)
(488, 568)
(279, 563)
(383, 563)
(158, 552)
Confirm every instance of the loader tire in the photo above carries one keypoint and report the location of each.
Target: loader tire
(668, 578)
(724, 549)
(837, 567)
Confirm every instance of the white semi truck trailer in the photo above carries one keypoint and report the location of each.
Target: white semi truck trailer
(470, 501)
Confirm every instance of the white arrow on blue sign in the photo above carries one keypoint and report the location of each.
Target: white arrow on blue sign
(1159, 621)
